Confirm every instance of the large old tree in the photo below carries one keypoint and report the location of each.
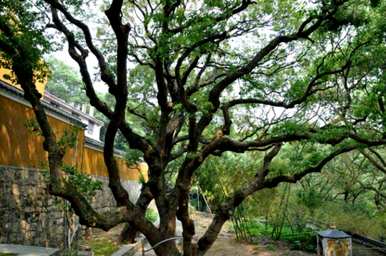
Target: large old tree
(191, 80)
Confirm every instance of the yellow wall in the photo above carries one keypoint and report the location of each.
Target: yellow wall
(93, 164)
(21, 147)
(6, 73)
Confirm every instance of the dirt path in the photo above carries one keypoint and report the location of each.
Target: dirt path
(225, 245)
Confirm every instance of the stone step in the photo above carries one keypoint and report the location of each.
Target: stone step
(129, 249)
(25, 250)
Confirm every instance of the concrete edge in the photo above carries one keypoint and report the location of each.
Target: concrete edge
(129, 249)
(28, 250)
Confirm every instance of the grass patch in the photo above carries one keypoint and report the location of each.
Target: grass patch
(297, 239)
(271, 247)
(102, 246)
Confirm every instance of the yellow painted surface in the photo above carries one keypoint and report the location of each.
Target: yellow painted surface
(21, 147)
(7, 76)
(93, 164)
(338, 247)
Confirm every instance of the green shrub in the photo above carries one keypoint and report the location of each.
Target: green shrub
(103, 246)
(304, 240)
(151, 215)
(353, 218)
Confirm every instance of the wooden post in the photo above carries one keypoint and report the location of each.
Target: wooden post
(318, 249)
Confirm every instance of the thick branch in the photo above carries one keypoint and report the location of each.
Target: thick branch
(224, 16)
(135, 141)
(309, 91)
(106, 75)
(273, 182)
(259, 183)
(374, 162)
(59, 185)
(310, 25)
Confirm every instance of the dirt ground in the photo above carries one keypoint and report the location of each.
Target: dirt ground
(225, 245)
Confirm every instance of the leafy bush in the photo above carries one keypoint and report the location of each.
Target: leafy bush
(353, 218)
(103, 246)
(304, 240)
(151, 215)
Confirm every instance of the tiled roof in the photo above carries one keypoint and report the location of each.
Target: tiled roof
(333, 233)
(99, 145)
(68, 108)
(19, 95)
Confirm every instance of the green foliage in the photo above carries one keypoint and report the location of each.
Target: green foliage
(87, 185)
(271, 247)
(290, 127)
(69, 138)
(33, 127)
(308, 94)
(102, 246)
(220, 177)
(304, 240)
(310, 199)
(133, 156)
(353, 218)
(21, 26)
(340, 197)
(313, 204)
(65, 82)
(151, 215)
(70, 252)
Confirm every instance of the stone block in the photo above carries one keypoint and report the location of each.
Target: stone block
(30, 214)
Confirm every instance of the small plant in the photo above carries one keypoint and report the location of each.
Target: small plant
(271, 247)
(151, 215)
(33, 127)
(85, 183)
(69, 252)
(133, 156)
(103, 246)
(302, 241)
(69, 138)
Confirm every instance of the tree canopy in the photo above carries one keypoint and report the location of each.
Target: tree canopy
(65, 82)
(192, 80)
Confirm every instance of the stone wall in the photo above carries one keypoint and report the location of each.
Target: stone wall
(30, 216)
(104, 199)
